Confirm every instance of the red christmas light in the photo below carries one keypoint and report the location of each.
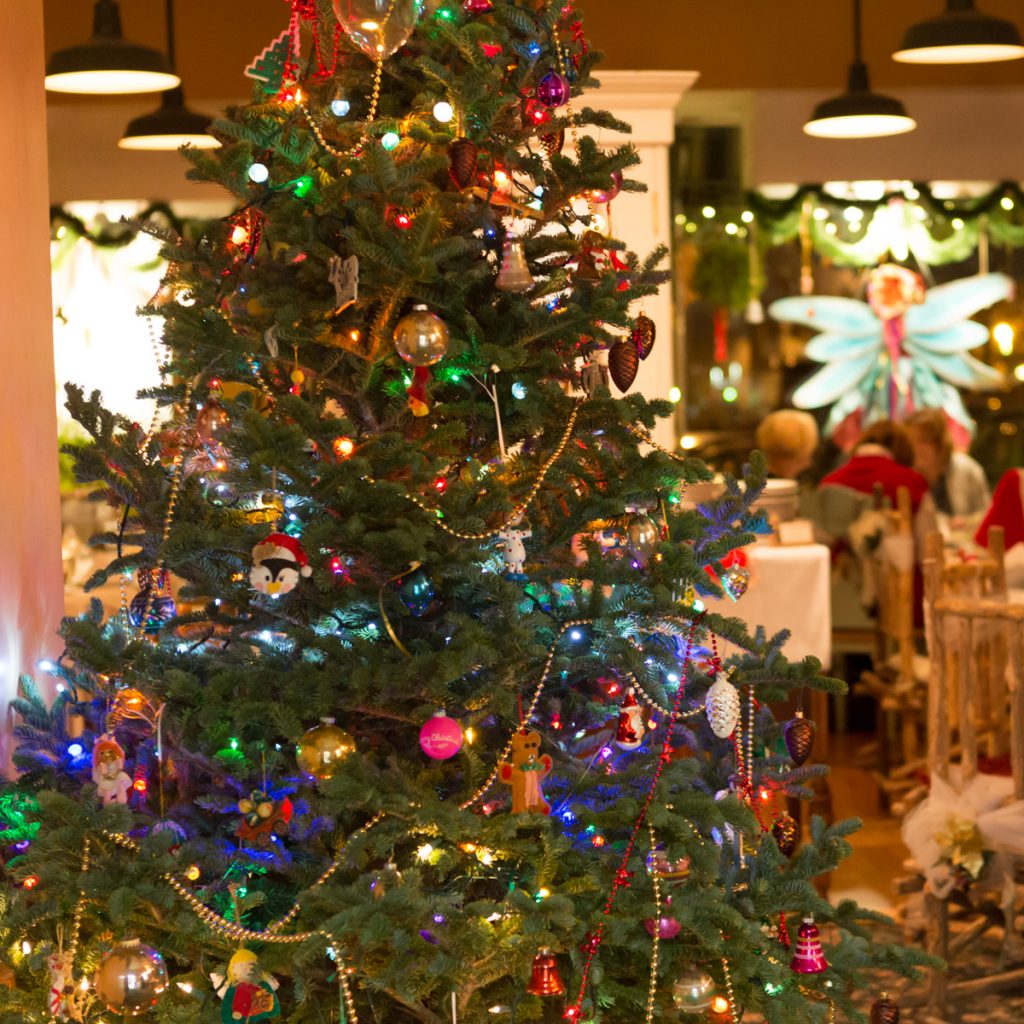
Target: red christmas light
(30, 881)
(441, 485)
(403, 221)
(343, 447)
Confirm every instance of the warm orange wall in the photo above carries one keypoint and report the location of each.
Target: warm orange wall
(735, 44)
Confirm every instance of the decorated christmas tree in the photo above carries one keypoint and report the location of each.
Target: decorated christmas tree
(416, 714)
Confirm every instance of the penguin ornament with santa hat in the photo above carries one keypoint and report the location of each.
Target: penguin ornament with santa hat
(278, 563)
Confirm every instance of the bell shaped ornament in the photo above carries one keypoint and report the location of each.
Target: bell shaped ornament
(544, 978)
(809, 957)
(514, 275)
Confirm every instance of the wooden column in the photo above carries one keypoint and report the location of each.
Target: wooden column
(31, 583)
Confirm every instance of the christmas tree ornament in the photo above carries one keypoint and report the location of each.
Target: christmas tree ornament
(378, 27)
(544, 977)
(462, 162)
(666, 927)
(629, 733)
(477, 6)
(735, 581)
(693, 990)
(421, 337)
(153, 603)
(885, 1011)
(606, 195)
(553, 90)
(278, 563)
(799, 737)
(722, 706)
(113, 783)
(658, 863)
(623, 363)
(65, 1000)
(418, 393)
(786, 833)
(131, 978)
(271, 64)
(212, 422)
(594, 373)
(441, 736)
(248, 994)
(513, 550)
(809, 957)
(643, 335)
(344, 276)
(553, 142)
(524, 771)
(641, 536)
(417, 593)
(263, 817)
(514, 275)
(323, 748)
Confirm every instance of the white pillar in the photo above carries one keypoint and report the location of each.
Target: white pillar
(31, 583)
(648, 100)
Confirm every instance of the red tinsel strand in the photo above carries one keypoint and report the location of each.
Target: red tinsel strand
(784, 931)
(622, 875)
(321, 71)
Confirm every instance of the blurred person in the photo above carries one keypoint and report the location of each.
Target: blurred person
(883, 456)
(956, 481)
(789, 439)
(1007, 511)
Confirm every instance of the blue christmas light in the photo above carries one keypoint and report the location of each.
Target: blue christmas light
(534, 50)
(576, 635)
(519, 390)
(340, 107)
(75, 750)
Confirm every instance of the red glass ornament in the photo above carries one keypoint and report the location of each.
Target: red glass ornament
(491, 49)
(545, 979)
(809, 957)
(477, 6)
(553, 90)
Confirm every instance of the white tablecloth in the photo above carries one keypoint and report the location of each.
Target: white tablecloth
(789, 589)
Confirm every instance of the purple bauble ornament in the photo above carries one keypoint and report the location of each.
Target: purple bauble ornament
(666, 927)
(553, 89)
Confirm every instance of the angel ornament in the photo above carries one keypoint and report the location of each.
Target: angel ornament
(904, 349)
(513, 548)
(249, 994)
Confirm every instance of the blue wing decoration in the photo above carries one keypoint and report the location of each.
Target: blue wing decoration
(877, 369)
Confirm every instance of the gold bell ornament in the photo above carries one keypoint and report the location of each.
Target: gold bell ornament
(514, 275)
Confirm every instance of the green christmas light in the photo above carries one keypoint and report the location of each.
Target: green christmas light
(301, 187)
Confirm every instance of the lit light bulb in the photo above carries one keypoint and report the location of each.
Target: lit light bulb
(425, 852)
(26, 947)
(1006, 203)
(675, 395)
(369, 26)
(239, 235)
(390, 140)
(747, 216)
(340, 107)
(708, 212)
(443, 111)
(1003, 335)
(688, 442)
(259, 172)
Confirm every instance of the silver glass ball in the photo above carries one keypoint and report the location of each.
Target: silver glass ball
(693, 990)
(641, 538)
(421, 337)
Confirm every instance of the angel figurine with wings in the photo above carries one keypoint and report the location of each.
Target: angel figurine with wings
(903, 349)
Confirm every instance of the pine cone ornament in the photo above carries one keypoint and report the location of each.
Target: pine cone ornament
(722, 705)
(644, 334)
(786, 833)
(462, 155)
(553, 142)
(623, 363)
(799, 736)
(885, 1011)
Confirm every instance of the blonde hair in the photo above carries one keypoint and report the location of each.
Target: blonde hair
(787, 434)
(932, 428)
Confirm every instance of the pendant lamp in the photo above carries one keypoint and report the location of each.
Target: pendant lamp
(960, 35)
(107, 64)
(858, 113)
(172, 125)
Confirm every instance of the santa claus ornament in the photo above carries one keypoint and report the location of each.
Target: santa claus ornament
(630, 731)
(278, 562)
(113, 783)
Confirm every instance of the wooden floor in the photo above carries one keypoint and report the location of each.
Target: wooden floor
(878, 850)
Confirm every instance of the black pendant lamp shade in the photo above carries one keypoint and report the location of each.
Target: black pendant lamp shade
(961, 35)
(107, 63)
(170, 126)
(858, 113)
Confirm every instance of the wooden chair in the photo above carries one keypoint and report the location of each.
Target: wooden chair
(975, 692)
(898, 678)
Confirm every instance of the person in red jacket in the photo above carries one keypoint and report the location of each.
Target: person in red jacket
(1007, 511)
(884, 455)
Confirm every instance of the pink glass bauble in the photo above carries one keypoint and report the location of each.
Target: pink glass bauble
(441, 737)
(666, 927)
(553, 89)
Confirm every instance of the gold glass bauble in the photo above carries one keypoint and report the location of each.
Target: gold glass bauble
(378, 26)
(421, 337)
(323, 748)
(130, 978)
(641, 538)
